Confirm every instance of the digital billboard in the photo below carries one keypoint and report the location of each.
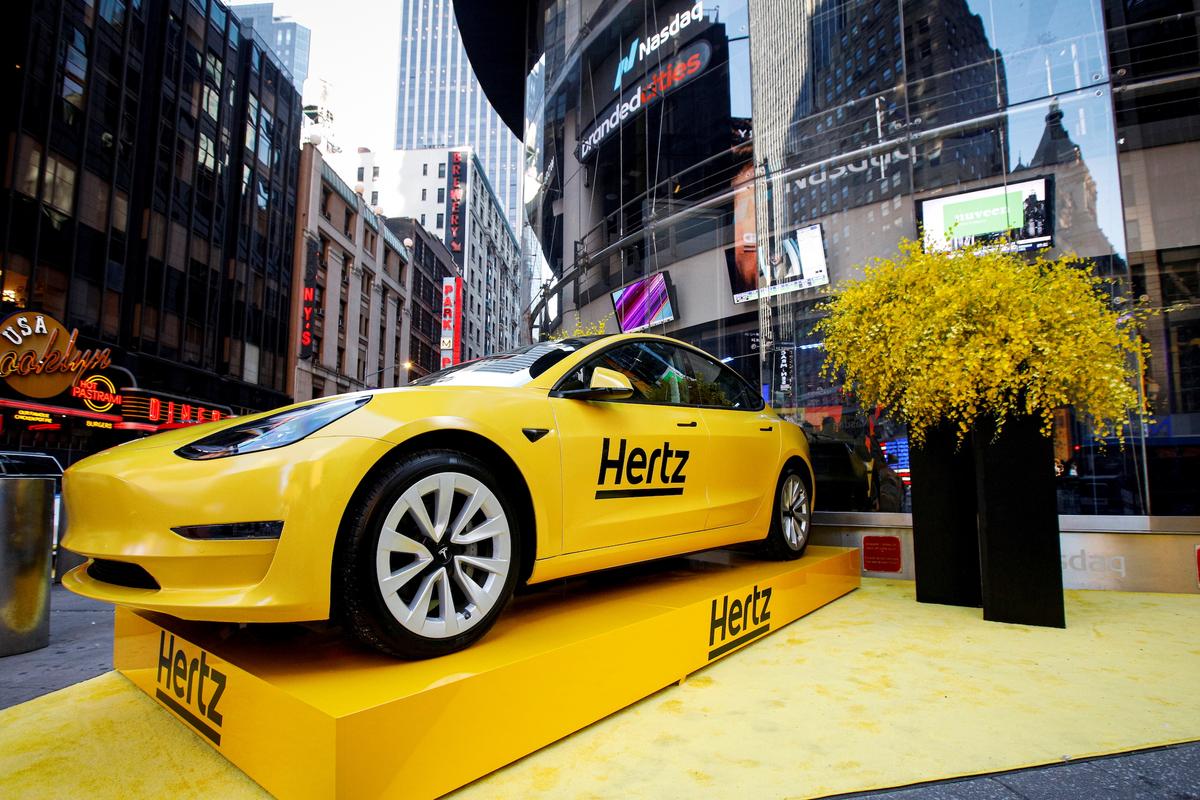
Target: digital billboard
(643, 303)
(1014, 217)
(800, 265)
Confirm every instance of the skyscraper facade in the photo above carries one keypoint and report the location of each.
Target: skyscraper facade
(289, 39)
(441, 103)
(149, 220)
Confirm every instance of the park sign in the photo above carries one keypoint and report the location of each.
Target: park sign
(39, 358)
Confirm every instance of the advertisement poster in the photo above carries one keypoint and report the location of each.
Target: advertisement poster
(643, 303)
(800, 265)
(1016, 217)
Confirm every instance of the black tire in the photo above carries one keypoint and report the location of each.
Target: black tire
(375, 613)
(786, 542)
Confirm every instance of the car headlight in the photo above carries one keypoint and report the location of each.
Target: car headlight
(267, 433)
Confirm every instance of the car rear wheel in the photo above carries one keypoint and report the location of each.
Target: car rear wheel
(791, 520)
(431, 557)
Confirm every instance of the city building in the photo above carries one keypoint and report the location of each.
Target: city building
(289, 39)
(440, 102)
(431, 265)
(746, 156)
(319, 118)
(147, 222)
(353, 278)
(448, 192)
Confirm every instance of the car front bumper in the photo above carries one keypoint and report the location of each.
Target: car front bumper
(122, 504)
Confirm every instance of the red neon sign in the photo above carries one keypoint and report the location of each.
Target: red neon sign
(451, 345)
(308, 309)
(456, 193)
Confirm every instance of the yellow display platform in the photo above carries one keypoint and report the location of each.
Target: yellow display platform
(875, 690)
(310, 715)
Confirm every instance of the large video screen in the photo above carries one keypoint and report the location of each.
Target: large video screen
(643, 303)
(800, 265)
(1016, 217)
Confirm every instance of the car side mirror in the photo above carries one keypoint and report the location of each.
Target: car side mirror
(607, 384)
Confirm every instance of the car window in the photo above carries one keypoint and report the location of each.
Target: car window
(513, 368)
(658, 372)
(718, 385)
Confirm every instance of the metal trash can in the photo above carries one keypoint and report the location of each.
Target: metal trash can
(26, 534)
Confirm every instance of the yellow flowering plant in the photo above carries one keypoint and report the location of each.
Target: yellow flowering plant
(950, 337)
(596, 328)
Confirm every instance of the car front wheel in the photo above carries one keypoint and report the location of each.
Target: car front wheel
(431, 557)
(791, 519)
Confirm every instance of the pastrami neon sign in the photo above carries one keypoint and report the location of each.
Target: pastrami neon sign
(675, 72)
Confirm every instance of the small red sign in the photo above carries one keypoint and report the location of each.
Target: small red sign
(881, 554)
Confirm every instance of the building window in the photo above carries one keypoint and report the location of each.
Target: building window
(424, 169)
(441, 195)
(374, 198)
(441, 170)
(422, 219)
(440, 220)
(361, 173)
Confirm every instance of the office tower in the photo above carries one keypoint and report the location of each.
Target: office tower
(289, 39)
(152, 213)
(442, 105)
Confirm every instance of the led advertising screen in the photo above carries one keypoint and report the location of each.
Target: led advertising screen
(643, 303)
(801, 265)
(1015, 217)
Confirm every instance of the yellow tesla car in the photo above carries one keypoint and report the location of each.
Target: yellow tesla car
(411, 514)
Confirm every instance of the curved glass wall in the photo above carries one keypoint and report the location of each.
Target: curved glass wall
(759, 152)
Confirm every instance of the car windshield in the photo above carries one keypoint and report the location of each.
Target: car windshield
(514, 368)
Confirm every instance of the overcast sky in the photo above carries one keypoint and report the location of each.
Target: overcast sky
(355, 46)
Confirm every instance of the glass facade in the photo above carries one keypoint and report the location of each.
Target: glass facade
(149, 195)
(758, 153)
(441, 103)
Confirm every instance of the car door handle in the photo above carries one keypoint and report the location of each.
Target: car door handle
(768, 428)
(691, 424)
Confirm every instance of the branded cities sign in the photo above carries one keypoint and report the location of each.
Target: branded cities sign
(451, 345)
(40, 359)
(690, 62)
(639, 48)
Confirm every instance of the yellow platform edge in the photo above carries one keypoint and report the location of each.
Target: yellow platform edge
(311, 716)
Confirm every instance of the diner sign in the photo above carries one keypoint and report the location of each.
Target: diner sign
(40, 359)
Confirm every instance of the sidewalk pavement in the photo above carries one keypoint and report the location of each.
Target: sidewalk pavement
(81, 648)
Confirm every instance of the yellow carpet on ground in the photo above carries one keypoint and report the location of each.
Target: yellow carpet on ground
(874, 690)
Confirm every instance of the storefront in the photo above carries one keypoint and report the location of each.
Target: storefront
(736, 162)
(69, 401)
(747, 157)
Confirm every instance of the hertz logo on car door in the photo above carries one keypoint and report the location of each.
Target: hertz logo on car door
(653, 474)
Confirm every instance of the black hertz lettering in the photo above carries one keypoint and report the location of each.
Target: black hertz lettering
(738, 620)
(190, 685)
(659, 472)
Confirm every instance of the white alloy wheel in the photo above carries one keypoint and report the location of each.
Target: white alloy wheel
(444, 555)
(794, 514)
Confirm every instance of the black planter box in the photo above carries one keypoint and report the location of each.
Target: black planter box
(985, 522)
